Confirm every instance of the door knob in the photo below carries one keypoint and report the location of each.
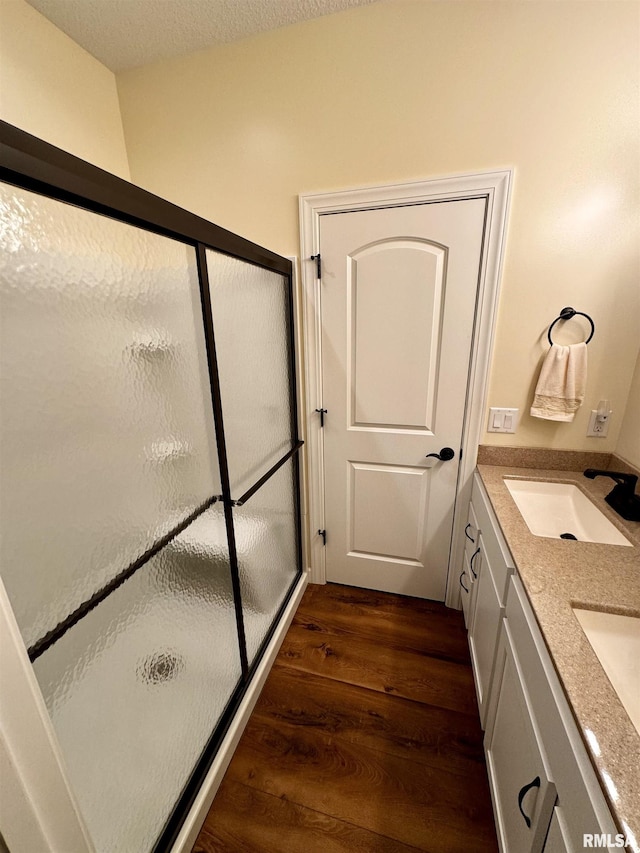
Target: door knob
(445, 454)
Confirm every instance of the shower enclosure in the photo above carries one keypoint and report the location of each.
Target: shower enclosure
(150, 511)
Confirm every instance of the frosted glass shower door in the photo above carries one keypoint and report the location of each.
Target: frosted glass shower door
(266, 544)
(251, 320)
(107, 436)
(136, 688)
(251, 309)
(114, 546)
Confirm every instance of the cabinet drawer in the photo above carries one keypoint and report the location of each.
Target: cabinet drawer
(470, 566)
(469, 579)
(471, 533)
(466, 592)
(494, 545)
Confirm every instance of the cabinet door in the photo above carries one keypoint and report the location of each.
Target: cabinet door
(558, 836)
(523, 794)
(581, 807)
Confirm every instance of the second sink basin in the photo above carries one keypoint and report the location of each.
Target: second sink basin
(616, 641)
(554, 510)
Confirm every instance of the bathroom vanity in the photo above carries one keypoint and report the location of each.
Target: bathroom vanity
(563, 754)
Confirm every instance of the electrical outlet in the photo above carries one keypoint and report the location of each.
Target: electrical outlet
(502, 420)
(598, 428)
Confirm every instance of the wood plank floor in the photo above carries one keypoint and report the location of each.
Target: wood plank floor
(365, 738)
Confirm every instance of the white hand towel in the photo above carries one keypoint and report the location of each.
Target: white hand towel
(561, 384)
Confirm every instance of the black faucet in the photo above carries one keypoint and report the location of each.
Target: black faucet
(622, 498)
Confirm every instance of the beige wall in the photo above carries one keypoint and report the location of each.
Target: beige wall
(629, 441)
(406, 90)
(52, 88)
(393, 92)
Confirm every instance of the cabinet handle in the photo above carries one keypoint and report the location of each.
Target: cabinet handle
(461, 584)
(473, 556)
(470, 538)
(523, 791)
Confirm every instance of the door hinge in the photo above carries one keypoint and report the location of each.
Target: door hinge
(323, 533)
(318, 261)
(322, 412)
(460, 453)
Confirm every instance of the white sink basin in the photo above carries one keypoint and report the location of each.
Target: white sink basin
(551, 509)
(616, 641)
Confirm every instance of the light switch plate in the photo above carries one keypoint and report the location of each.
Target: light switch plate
(502, 420)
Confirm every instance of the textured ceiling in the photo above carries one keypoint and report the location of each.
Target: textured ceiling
(128, 33)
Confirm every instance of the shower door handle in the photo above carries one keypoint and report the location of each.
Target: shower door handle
(445, 454)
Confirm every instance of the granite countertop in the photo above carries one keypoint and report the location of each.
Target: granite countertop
(557, 574)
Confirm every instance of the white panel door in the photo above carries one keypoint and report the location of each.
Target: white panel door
(398, 295)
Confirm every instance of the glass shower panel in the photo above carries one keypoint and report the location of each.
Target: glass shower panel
(136, 688)
(108, 440)
(251, 321)
(266, 543)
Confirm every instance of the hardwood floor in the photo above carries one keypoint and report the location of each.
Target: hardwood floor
(365, 738)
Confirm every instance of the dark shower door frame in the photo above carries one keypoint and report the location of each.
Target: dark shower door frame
(32, 164)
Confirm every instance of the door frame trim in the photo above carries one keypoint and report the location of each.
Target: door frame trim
(495, 187)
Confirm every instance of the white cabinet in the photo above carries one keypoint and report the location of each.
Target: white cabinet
(545, 792)
(535, 756)
(487, 567)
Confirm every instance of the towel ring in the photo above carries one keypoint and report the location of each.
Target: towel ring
(567, 314)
